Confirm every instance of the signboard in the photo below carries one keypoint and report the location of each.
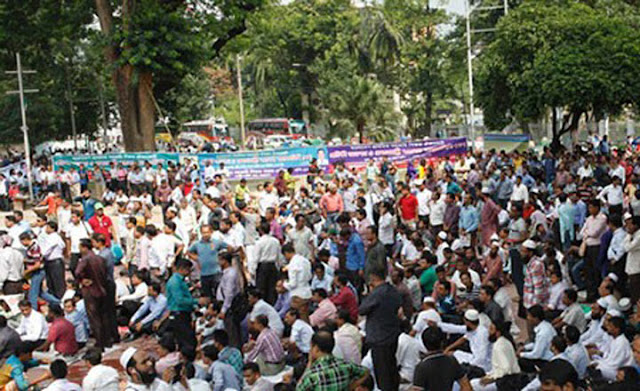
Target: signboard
(358, 155)
(266, 163)
(127, 159)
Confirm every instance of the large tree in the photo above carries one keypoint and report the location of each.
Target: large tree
(560, 54)
(151, 45)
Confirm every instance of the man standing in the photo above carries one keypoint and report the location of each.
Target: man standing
(101, 224)
(408, 208)
(331, 205)
(92, 274)
(536, 285)
(267, 253)
(53, 253)
(299, 272)
(181, 305)
(376, 257)
(205, 252)
(355, 256)
(228, 289)
(75, 231)
(382, 330)
(593, 229)
(631, 245)
(99, 244)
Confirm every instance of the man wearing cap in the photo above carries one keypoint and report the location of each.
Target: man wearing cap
(632, 246)
(593, 336)
(102, 224)
(478, 339)
(141, 372)
(536, 284)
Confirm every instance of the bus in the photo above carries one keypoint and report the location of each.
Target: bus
(279, 126)
(215, 130)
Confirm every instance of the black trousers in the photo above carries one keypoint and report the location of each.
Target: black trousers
(593, 276)
(209, 285)
(33, 345)
(110, 308)
(266, 279)
(54, 271)
(529, 365)
(615, 210)
(182, 329)
(386, 365)
(73, 263)
(98, 319)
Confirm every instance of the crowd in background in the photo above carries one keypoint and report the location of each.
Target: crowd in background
(484, 271)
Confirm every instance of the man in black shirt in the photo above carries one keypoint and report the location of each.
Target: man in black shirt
(491, 308)
(376, 257)
(438, 371)
(383, 328)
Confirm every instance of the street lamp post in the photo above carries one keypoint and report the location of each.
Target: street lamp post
(242, 133)
(23, 112)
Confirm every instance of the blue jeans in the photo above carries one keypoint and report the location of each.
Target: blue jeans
(36, 290)
(576, 274)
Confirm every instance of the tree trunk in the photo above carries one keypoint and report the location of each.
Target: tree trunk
(428, 114)
(361, 131)
(134, 92)
(569, 124)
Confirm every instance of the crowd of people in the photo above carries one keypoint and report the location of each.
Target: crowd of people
(485, 271)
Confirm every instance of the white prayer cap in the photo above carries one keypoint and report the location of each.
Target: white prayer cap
(627, 216)
(530, 244)
(418, 182)
(603, 303)
(624, 304)
(429, 299)
(614, 313)
(613, 277)
(442, 235)
(472, 315)
(486, 190)
(126, 356)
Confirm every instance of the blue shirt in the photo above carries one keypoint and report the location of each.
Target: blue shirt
(504, 190)
(15, 369)
(223, 377)
(207, 253)
(152, 309)
(355, 253)
(179, 297)
(80, 325)
(580, 213)
(110, 261)
(469, 218)
(88, 206)
(282, 304)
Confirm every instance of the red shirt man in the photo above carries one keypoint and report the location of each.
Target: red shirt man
(408, 206)
(101, 224)
(62, 335)
(345, 299)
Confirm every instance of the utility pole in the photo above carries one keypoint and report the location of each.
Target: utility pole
(469, 11)
(72, 112)
(23, 111)
(239, 72)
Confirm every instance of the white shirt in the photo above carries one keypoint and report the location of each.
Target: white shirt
(612, 195)
(541, 348)
(573, 315)
(267, 249)
(188, 218)
(475, 278)
(631, 245)
(503, 359)
(585, 172)
(408, 356)
(11, 265)
(301, 333)
(422, 320)
(53, 247)
(33, 327)
(213, 191)
(299, 271)
(157, 385)
(618, 355)
(163, 251)
(436, 211)
(75, 232)
(579, 358)
(520, 193)
(385, 229)
(594, 334)
(139, 293)
(555, 295)
(263, 308)
(63, 385)
(267, 200)
(423, 197)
